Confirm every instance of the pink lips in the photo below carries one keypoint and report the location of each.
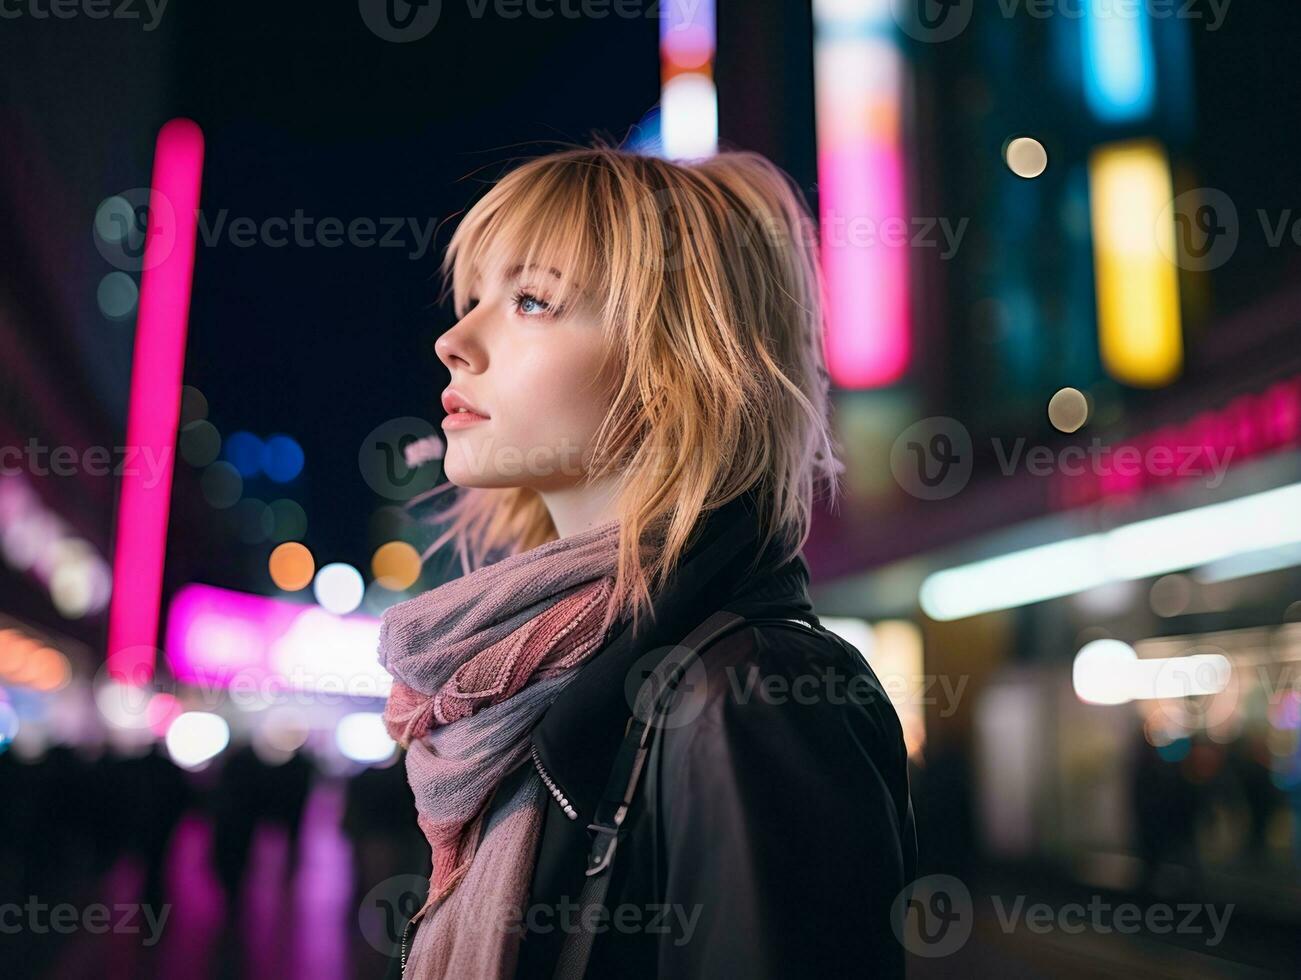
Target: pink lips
(459, 420)
(460, 412)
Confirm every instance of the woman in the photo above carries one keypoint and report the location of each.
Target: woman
(638, 420)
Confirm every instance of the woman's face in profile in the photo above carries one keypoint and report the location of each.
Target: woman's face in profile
(533, 369)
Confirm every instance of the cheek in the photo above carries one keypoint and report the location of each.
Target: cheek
(560, 399)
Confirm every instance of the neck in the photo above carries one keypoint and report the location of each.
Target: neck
(579, 508)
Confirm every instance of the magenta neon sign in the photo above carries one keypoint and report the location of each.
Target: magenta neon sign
(227, 640)
(1247, 427)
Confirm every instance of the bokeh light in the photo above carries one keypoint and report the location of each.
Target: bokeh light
(195, 737)
(292, 566)
(222, 485)
(1171, 595)
(1101, 672)
(200, 443)
(361, 737)
(243, 450)
(288, 520)
(282, 458)
(117, 296)
(194, 405)
(339, 588)
(1026, 157)
(1068, 410)
(27, 662)
(80, 580)
(396, 565)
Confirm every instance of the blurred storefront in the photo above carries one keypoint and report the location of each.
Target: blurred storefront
(1084, 490)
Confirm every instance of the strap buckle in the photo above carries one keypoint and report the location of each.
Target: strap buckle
(604, 839)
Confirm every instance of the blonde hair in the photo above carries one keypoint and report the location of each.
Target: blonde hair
(705, 275)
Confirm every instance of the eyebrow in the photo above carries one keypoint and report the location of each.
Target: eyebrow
(515, 271)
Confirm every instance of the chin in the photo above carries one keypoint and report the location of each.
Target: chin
(479, 481)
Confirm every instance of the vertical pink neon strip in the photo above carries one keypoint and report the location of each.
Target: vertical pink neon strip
(865, 231)
(155, 401)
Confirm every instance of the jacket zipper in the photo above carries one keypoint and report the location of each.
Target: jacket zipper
(550, 784)
(406, 931)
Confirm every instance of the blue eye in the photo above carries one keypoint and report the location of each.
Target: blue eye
(531, 304)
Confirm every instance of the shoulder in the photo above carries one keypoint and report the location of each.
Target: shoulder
(767, 681)
(778, 726)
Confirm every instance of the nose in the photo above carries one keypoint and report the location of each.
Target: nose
(458, 347)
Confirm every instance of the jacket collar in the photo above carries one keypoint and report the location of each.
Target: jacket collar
(579, 735)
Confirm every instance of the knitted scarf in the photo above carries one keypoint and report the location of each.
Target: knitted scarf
(475, 664)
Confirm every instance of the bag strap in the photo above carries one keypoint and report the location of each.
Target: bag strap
(605, 829)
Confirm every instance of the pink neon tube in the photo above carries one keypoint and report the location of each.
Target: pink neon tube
(155, 400)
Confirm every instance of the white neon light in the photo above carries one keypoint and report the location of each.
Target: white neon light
(1111, 672)
(1200, 536)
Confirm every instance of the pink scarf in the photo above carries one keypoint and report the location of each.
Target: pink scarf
(475, 664)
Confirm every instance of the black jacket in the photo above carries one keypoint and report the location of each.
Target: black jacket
(772, 827)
